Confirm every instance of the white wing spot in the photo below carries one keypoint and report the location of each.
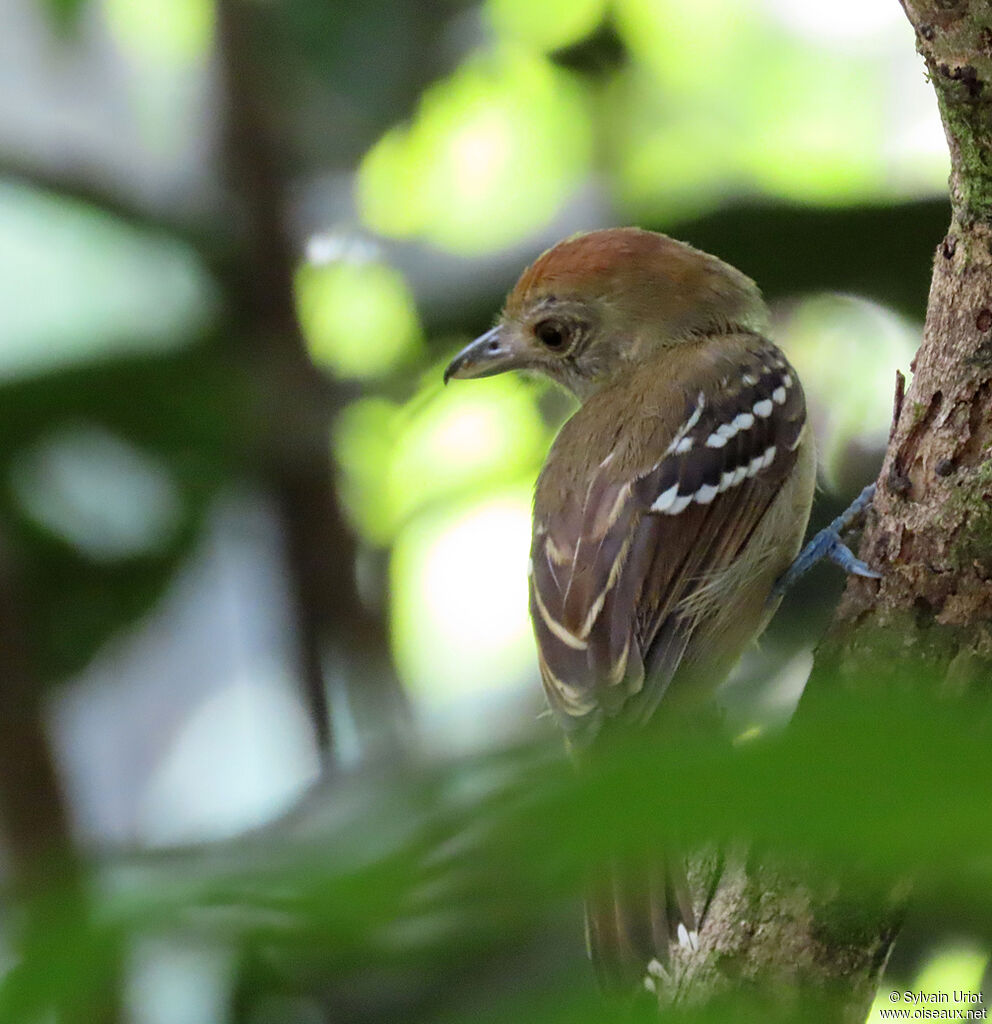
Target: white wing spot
(749, 380)
(787, 380)
(768, 457)
(664, 501)
(743, 421)
(755, 465)
(763, 408)
(778, 395)
(739, 474)
(727, 479)
(684, 445)
(706, 494)
(680, 504)
(716, 440)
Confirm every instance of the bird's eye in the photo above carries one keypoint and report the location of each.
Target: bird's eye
(552, 335)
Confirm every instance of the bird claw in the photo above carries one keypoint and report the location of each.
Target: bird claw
(827, 544)
(840, 554)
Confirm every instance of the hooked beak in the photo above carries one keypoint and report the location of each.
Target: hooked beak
(490, 353)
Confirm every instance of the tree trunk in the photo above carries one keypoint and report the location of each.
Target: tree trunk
(929, 532)
(932, 528)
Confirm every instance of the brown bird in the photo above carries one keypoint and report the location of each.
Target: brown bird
(669, 505)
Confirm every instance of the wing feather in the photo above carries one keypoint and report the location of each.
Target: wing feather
(627, 561)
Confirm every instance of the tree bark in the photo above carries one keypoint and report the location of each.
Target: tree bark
(931, 531)
(930, 534)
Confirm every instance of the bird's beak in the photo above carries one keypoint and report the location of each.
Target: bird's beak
(490, 353)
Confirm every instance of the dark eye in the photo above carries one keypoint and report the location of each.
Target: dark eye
(551, 334)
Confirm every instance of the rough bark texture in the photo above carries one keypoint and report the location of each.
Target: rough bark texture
(930, 532)
(813, 953)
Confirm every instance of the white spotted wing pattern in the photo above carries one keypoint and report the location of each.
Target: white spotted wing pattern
(615, 564)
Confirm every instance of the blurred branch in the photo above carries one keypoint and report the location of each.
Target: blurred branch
(207, 238)
(35, 819)
(46, 879)
(792, 249)
(296, 409)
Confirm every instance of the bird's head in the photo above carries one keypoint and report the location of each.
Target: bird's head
(598, 303)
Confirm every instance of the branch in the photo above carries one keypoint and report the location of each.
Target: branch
(46, 878)
(297, 408)
(955, 39)
(931, 529)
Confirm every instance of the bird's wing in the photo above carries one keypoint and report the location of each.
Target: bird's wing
(628, 563)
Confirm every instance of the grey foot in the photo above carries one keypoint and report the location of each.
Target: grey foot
(827, 544)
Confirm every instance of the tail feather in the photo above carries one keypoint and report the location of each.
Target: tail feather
(635, 912)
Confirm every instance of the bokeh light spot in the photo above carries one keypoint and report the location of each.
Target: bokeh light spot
(846, 349)
(959, 968)
(359, 319)
(105, 497)
(243, 756)
(398, 459)
(492, 153)
(164, 31)
(783, 109)
(109, 289)
(459, 584)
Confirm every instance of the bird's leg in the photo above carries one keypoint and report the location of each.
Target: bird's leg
(827, 544)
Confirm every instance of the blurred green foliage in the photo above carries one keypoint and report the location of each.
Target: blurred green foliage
(163, 31)
(359, 320)
(547, 26)
(492, 151)
(182, 413)
(439, 446)
(63, 13)
(419, 885)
